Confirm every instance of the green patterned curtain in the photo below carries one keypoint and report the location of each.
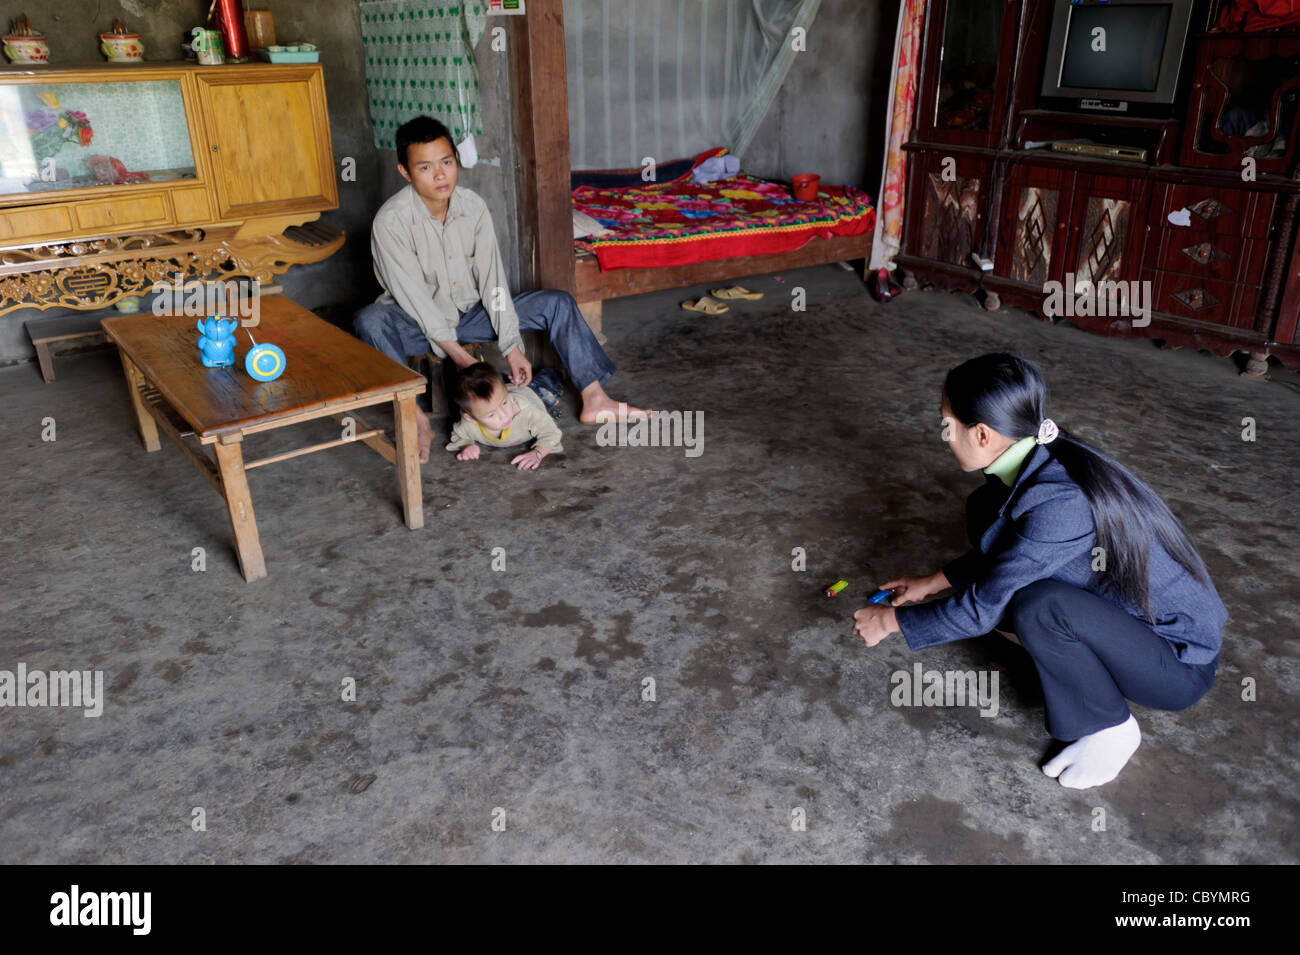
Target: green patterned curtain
(420, 59)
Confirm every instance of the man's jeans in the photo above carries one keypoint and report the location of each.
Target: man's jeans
(395, 333)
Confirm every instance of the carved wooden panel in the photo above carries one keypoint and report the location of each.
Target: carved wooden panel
(1034, 235)
(949, 219)
(1101, 247)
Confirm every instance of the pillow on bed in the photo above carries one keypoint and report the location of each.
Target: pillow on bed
(584, 225)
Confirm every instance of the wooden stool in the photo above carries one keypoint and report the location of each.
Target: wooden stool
(45, 332)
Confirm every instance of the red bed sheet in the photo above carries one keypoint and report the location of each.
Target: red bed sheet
(676, 223)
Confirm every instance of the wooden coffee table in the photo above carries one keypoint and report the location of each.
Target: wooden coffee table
(328, 373)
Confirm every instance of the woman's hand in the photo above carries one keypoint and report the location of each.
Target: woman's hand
(911, 589)
(874, 623)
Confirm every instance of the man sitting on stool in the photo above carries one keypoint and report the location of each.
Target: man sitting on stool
(436, 256)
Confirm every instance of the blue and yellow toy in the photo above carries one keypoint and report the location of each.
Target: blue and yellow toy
(264, 362)
(217, 343)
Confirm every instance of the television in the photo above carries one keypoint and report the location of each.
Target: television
(1107, 55)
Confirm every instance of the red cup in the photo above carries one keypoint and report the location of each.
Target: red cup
(806, 186)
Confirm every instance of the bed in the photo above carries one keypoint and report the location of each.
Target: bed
(675, 233)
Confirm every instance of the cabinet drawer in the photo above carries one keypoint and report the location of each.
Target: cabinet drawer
(1206, 300)
(123, 213)
(1226, 257)
(40, 222)
(1216, 212)
(191, 205)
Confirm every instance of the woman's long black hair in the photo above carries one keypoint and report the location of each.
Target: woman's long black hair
(1007, 393)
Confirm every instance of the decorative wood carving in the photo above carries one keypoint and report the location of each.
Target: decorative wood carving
(1211, 209)
(96, 273)
(1206, 253)
(1196, 298)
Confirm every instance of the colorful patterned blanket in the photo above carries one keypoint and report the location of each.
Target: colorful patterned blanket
(674, 223)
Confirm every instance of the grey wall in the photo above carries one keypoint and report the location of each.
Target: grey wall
(345, 281)
(829, 117)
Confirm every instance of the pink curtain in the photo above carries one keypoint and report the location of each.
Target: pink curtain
(903, 81)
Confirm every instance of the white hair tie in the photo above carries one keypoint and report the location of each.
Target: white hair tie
(1047, 431)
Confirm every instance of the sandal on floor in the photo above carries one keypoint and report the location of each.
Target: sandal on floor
(737, 291)
(704, 304)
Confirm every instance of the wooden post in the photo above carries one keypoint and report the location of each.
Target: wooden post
(541, 127)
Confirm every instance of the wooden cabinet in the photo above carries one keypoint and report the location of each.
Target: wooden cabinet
(1200, 205)
(282, 170)
(158, 168)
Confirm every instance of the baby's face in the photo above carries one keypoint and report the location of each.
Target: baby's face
(497, 412)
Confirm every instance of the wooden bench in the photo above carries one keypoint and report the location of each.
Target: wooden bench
(57, 329)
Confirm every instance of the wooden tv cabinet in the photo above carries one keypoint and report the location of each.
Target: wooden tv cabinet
(114, 177)
(1206, 224)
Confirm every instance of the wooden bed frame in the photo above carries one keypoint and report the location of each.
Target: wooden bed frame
(592, 286)
(542, 183)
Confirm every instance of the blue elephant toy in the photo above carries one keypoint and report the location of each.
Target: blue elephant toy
(217, 343)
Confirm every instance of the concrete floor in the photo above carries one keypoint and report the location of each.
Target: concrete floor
(522, 690)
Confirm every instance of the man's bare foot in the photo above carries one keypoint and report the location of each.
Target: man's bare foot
(594, 412)
(423, 435)
(598, 406)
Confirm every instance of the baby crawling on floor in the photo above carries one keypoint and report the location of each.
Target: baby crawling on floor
(498, 415)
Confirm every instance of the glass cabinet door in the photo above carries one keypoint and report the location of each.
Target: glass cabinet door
(59, 136)
(1251, 102)
(968, 67)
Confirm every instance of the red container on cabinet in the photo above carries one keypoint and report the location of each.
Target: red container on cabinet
(228, 17)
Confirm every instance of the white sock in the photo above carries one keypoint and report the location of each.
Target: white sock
(1096, 758)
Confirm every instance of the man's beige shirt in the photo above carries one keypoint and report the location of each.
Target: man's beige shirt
(436, 270)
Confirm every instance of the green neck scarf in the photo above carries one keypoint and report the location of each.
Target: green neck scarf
(1009, 462)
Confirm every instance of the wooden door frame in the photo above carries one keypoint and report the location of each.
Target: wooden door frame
(540, 113)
